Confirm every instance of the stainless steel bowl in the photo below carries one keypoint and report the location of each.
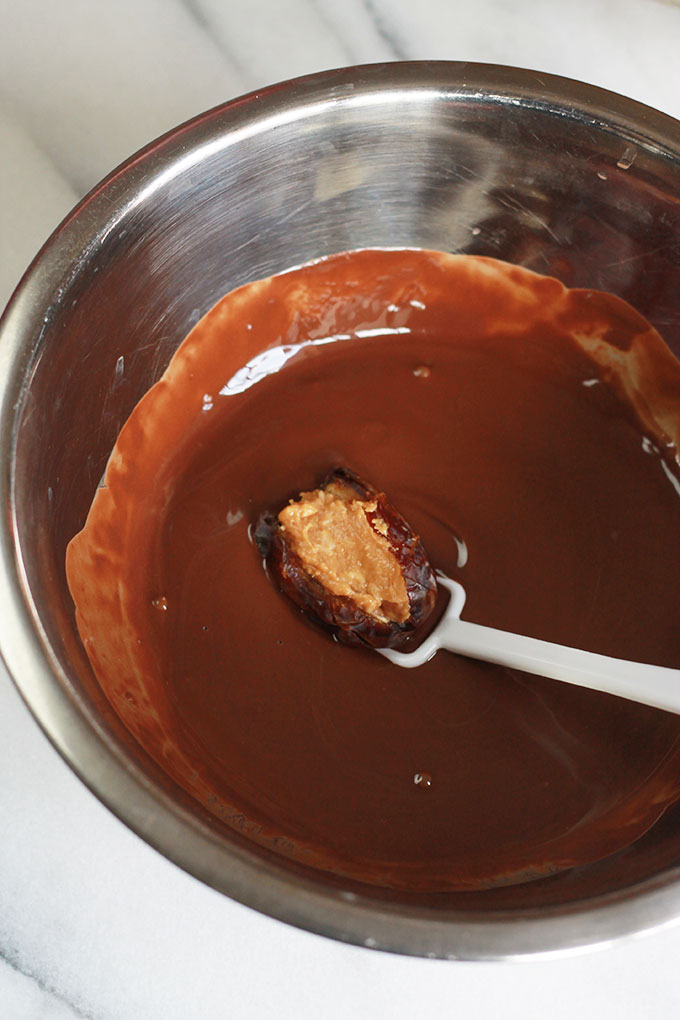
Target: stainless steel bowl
(545, 172)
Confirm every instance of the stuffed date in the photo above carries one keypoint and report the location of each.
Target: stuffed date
(350, 561)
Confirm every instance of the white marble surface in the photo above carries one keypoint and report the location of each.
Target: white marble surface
(93, 923)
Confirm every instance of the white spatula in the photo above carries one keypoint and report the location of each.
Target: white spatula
(658, 686)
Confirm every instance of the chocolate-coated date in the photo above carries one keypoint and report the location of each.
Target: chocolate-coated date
(411, 592)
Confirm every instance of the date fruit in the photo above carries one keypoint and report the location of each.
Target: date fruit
(350, 561)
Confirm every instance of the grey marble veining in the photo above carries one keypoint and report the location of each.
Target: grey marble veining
(24, 997)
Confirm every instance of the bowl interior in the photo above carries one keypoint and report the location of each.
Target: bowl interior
(553, 176)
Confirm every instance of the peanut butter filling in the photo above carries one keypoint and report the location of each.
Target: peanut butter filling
(346, 553)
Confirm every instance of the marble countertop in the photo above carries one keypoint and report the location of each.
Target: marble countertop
(94, 923)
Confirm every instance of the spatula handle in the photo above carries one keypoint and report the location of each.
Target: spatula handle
(658, 686)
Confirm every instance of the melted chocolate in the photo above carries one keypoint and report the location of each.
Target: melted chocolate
(526, 434)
